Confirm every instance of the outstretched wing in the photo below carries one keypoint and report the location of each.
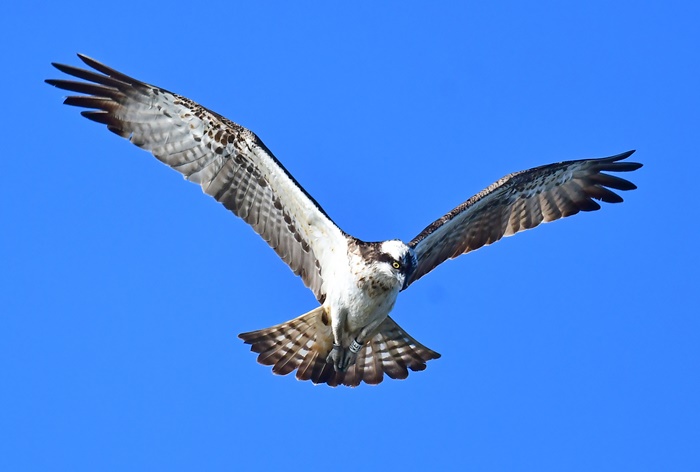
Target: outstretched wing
(517, 202)
(230, 162)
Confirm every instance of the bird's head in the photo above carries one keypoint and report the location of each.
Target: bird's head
(396, 260)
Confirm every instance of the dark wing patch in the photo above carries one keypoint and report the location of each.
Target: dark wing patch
(520, 201)
(228, 161)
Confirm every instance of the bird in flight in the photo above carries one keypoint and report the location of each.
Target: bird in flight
(350, 337)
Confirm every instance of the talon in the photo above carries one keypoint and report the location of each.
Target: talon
(334, 356)
(350, 358)
(341, 358)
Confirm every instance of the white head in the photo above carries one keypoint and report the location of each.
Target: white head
(394, 248)
(396, 260)
(389, 262)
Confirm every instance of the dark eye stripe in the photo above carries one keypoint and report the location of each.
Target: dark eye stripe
(386, 258)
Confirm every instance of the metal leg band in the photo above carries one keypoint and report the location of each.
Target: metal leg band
(355, 346)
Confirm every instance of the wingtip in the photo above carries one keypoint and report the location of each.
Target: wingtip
(84, 57)
(61, 66)
(622, 166)
(90, 61)
(623, 155)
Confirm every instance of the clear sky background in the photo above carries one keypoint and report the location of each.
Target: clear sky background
(574, 346)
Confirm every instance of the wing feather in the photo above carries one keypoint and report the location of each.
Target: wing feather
(229, 162)
(520, 201)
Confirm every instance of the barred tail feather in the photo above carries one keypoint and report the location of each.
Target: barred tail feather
(303, 344)
(391, 351)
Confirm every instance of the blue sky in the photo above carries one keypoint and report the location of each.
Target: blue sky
(574, 346)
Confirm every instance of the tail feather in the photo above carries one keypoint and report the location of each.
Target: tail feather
(391, 351)
(303, 344)
(290, 345)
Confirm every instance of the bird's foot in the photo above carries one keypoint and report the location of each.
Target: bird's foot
(343, 358)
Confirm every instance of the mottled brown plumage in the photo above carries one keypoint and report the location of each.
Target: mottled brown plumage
(230, 162)
(520, 201)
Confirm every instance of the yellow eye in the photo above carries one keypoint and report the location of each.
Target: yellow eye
(396, 265)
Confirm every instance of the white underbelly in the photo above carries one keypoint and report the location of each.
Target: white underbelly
(356, 299)
(361, 309)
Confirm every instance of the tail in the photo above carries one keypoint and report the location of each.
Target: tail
(304, 343)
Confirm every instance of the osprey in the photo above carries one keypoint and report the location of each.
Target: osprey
(350, 337)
